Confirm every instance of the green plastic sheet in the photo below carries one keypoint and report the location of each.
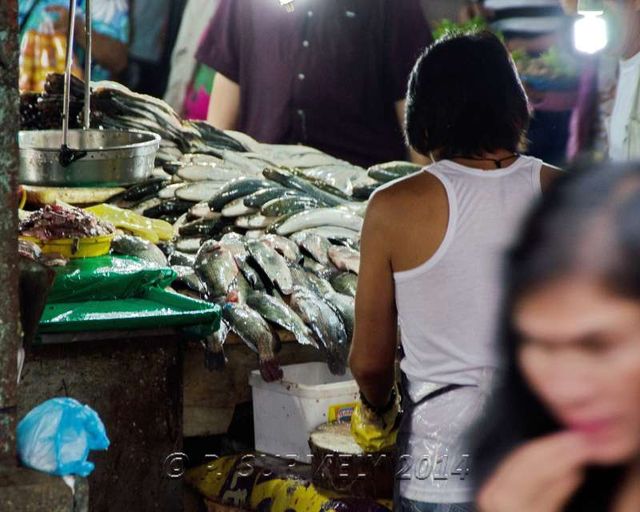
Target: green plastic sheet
(156, 308)
(107, 278)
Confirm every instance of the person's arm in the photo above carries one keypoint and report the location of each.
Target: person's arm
(224, 106)
(106, 51)
(414, 156)
(373, 349)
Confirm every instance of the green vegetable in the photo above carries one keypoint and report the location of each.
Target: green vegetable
(448, 28)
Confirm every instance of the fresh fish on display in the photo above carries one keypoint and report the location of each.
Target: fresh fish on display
(345, 258)
(272, 264)
(187, 278)
(325, 272)
(346, 307)
(314, 245)
(288, 205)
(319, 285)
(180, 221)
(261, 197)
(392, 170)
(254, 234)
(345, 283)
(168, 207)
(202, 227)
(141, 207)
(251, 167)
(284, 247)
(140, 191)
(200, 191)
(160, 173)
(277, 312)
(189, 245)
(338, 176)
(237, 208)
(134, 246)
(210, 172)
(200, 159)
(333, 233)
(256, 333)
(326, 325)
(318, 218)
(169, 192)
(256, 221)
(290, 180)
(181, 259)
(172, 167)
(235, 244)
(235, 189)
(216, 268)
(214, 357)
(202, 211)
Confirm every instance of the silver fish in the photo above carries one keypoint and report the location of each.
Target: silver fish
(283, 246)
(345, 283)
(346, 306)
(320, 217)
(272, 264)
(216, 268)
(257, 335)
(140, 248)
(214, 356)
(326, 325)
(345, 258)
(314, 245)
(200, 191)
(237, 208)
(276, 311)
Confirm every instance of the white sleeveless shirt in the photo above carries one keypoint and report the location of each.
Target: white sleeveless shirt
(448, 311)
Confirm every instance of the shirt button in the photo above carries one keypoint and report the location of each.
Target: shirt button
(305, 44)
(310, 14)
(300, 112)
(301, 76)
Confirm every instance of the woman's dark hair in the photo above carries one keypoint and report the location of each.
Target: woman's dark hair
(465, 98)
(590, 219)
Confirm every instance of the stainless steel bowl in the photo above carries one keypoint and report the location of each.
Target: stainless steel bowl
(112, 158)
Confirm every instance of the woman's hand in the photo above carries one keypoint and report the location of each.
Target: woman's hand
(540, 476)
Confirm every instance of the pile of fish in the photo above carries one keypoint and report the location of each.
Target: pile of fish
(277, 249)
(270, 232)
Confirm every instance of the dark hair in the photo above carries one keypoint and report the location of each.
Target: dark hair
(465, 98)
(562, 234)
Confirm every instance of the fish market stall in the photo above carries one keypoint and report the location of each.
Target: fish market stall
(266, 237)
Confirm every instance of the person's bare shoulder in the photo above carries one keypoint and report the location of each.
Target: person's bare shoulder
(548, 175)
(397, 200)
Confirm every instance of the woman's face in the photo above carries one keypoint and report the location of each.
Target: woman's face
(581, 355)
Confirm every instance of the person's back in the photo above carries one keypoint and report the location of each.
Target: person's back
(438, 277)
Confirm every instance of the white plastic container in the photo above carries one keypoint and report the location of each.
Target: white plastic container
(286, 412)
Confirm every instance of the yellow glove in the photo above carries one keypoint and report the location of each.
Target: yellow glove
(376, 432)
(153, 230)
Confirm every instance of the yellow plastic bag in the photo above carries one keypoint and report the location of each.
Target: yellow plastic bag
(373, 432)
(153, 230)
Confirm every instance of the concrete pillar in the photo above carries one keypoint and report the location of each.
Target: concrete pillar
(9, 307)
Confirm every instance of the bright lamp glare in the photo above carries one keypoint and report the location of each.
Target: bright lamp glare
(590, 33)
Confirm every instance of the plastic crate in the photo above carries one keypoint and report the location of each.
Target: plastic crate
(286, 412)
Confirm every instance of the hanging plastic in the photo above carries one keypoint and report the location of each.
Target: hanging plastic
(57, 436)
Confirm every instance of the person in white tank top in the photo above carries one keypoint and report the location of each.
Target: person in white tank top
(431, 253)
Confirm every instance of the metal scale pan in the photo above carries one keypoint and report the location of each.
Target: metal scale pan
(85, 157)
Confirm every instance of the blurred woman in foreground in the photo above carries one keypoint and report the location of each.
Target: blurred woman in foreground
(563, 430)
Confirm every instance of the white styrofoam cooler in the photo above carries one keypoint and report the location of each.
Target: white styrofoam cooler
(286, 412)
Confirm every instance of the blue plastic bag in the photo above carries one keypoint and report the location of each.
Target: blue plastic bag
(56, 437)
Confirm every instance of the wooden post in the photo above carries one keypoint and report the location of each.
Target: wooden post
(9, 306)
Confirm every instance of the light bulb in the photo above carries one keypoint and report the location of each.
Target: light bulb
(590, 34)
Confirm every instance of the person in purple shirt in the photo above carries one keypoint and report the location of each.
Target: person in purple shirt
(332, 74)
